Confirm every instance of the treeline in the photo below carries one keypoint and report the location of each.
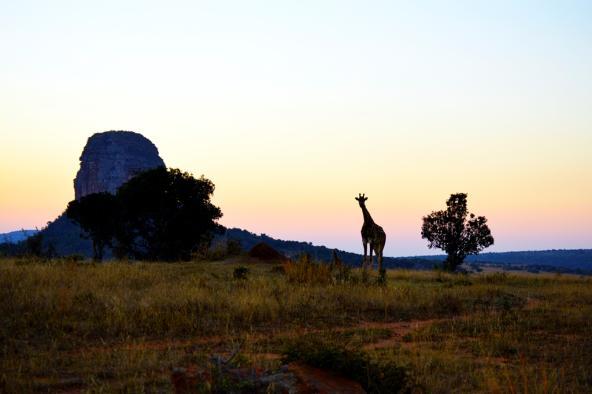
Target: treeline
(159, 215)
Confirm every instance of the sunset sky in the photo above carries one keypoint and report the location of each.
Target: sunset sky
(292, 108)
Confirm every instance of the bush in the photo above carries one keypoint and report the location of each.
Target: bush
(218, 251)
(240, 273)
(375, 376)
(233, 247)
(34, 245)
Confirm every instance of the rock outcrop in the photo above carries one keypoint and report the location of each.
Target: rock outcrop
(111, 158)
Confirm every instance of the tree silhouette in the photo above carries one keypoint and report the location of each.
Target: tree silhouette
(166, 215)
(34, 245)
(97, 215)
(451, 231)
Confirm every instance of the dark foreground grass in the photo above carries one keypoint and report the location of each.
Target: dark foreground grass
(123, 327)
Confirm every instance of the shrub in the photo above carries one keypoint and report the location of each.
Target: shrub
(233, 247)
(34, 245)
(240, 273)
(375, 376)
(218, 251)
(215, 253)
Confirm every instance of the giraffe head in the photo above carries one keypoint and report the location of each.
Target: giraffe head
(361, 199)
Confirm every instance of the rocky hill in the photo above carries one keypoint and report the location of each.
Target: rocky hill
(111, 158)
(108, 160)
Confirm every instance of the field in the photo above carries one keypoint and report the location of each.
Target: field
(153, 327)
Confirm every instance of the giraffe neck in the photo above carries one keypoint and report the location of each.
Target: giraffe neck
(367, 217)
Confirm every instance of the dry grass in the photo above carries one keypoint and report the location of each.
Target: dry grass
(306, 271)
(121, 326)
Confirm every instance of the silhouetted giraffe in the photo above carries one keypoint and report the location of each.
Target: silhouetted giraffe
(372, 234)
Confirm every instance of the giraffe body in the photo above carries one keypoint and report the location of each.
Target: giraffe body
(373, 236)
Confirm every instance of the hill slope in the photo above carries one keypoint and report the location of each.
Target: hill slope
(16, 236)
(562, 259)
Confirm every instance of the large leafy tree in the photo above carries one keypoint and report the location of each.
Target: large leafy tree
(97, 215)
(166, 215)
(456, 232)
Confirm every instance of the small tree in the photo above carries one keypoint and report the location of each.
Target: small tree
(451, 231)
(97, 214)
(34, 245)
(166, 215)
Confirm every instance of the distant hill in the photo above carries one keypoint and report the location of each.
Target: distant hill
(16, 236)
(566, 259)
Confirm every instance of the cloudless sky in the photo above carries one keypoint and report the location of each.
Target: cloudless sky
(292, 108)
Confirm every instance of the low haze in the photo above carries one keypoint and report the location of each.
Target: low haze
(293, 108)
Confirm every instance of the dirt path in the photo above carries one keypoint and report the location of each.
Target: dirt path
(398, 331)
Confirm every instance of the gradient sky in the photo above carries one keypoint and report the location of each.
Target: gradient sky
(292, 108)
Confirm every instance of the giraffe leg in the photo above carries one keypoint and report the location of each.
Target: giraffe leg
(365, 252)
(371, 258)
(379, 257)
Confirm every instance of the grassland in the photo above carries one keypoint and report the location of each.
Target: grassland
(67, 326)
